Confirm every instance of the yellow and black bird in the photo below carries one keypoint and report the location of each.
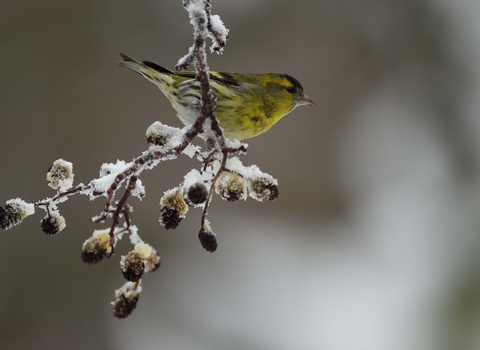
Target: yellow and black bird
(247, 104)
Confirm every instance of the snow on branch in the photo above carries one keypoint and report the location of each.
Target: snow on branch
(220, 171)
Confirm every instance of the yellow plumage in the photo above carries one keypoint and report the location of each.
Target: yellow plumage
(247, 104)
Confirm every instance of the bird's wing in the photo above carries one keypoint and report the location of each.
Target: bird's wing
(219, 77)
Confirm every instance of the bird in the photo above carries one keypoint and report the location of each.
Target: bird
(247, 104)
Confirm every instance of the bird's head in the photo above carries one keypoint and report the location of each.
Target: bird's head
(283, 93)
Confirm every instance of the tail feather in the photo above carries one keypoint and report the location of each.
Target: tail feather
(158, 68)
(131, 64)
(141, 68)
(126, 58)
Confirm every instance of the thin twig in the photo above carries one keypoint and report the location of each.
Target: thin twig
(73, 191)
(120, 207)
(212, 186)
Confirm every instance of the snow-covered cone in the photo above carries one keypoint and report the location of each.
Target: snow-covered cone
(207, 238)
(60, 175)
(195, 184)
(14, 212)
(172, 208)
(143, 258)
(261, 186)
(231, 187)
(126, 299)
(133, 266)
(96, 247)
(53, 223)
(159, 134)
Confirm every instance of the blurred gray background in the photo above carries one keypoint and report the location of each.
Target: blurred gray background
(373, 243)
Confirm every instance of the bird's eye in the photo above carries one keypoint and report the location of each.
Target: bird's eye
(291, 89)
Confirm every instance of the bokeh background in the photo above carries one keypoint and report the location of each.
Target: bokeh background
(373, 243)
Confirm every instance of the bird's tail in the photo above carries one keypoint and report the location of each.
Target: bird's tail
(151, 71)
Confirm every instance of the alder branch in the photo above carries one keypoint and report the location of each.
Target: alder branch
(221, 172)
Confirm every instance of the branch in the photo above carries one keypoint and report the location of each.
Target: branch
(221, 172)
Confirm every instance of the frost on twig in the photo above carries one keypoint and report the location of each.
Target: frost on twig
(220, 171)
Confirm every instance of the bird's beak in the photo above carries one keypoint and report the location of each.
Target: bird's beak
(304, 100)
